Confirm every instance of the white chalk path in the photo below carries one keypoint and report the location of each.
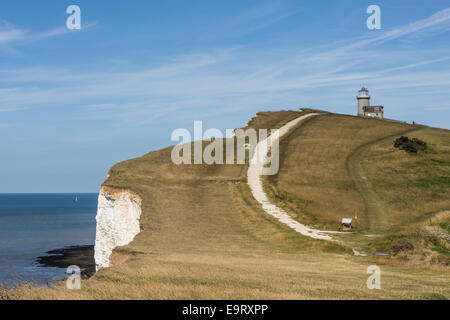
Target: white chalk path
(254, 181)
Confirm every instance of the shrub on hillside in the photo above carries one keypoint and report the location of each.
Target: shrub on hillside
(410, 145)
(403, 245)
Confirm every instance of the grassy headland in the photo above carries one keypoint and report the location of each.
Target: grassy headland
(204, 236)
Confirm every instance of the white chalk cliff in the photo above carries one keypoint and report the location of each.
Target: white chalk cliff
(118, 223)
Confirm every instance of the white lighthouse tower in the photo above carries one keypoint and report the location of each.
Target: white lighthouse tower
(364, 107)
(363, 101)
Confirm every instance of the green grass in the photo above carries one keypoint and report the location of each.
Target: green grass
(442, 251)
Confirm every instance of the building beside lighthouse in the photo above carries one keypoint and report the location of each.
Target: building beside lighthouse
(364, 107)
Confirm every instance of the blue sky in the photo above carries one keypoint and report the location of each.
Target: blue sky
(73, 103)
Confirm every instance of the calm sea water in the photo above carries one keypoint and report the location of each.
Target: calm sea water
(32, 224)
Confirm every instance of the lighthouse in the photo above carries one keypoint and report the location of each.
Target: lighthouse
(363, 101)
(364, 107)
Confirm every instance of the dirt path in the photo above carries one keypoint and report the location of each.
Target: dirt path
(254, 181)
(376, 211)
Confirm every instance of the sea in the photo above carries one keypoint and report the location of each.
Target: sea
(33, 224)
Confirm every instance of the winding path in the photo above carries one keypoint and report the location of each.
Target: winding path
(254, 173)
(376, 212)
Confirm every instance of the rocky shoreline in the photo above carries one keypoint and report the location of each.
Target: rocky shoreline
(81, 256)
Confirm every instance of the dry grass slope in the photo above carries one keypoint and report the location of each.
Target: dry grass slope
(314, 176)
(337, 166)
(413, 186)
(204, 237)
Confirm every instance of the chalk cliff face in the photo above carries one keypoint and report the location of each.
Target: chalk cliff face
(117, 218)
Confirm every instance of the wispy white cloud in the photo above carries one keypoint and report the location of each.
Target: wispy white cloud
(440, 18)
(58, 32)
(189, 82)
(102, 106)
(418, 64)
(263, 15)
(9, 34)
(231, 77)
(439, 107)
(11, 109)
(438, 22)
